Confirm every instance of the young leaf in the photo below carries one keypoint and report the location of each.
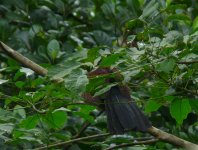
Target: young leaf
(179, 109)
(53, 48)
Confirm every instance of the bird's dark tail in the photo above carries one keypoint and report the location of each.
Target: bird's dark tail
(123, 114)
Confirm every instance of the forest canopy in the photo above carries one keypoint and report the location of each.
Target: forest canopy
(48, 48)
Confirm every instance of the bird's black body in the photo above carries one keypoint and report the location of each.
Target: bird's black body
(123, 114)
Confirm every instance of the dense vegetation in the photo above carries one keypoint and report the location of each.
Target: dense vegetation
(152, 43)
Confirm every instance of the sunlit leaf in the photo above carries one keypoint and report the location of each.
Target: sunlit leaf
(179, 109)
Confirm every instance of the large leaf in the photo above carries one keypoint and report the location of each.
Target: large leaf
(76, 81)
(84, 112)
(109, 60)
(152, 106)
(30, 122)
(55, 119)
(92, 54)
(179, 109)
(166, 65)
(102, 38)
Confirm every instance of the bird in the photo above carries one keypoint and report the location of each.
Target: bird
(123, 114)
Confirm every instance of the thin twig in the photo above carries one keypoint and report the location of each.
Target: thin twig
(72, 141)
(187, 62)
(133, 143)
(37, 110)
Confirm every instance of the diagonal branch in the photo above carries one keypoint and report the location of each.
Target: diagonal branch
(20, 58)
(172, 139)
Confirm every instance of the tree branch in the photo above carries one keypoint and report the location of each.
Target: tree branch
(188, 62)
(72, 141)
(30, 64)
(172, 139)
(133, 143)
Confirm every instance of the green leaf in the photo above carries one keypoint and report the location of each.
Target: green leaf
(20, 110)
(85, 112)
(102, 38)
(109, 60)
(195, 24)
(105, 89)
(76, 81)
(158, 90)
(55, 119)
(168, 2)
(62, 70)
(20, 84)
(194, 105)
(151, 106)
(166, 65)
(150, 10)
(92, 54)
(53, 48)
(109, 9)
(179, 17)
(97, 81)
(18, 75)
(135, 23)
(179, 109)
(30, 122)
(31, 139)
(7, 127)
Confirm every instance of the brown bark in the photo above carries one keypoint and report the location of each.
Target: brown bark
(172, 139)
(20, 58)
